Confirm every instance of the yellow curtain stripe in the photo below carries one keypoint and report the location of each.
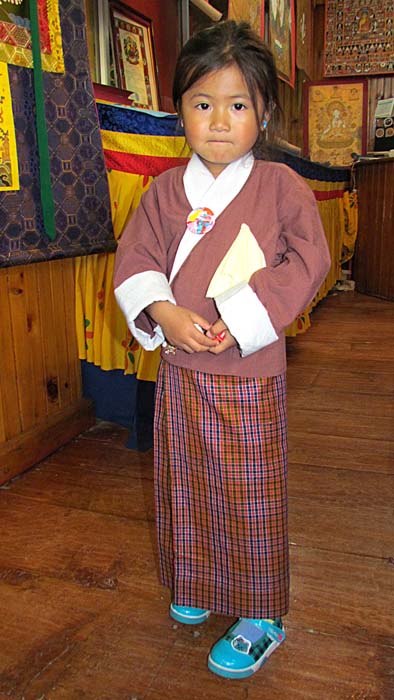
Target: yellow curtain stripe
(145, 145)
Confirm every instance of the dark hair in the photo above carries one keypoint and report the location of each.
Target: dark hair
(221, 45)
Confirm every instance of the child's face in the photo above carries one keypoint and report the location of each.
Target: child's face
(219, 118)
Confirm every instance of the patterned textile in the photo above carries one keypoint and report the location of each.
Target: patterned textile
(79, 179)
(221, 492)
(139, 142)
(15, 39)
(359, 38)
(9, 173)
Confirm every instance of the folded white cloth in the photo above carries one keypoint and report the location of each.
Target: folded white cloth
(238, 265)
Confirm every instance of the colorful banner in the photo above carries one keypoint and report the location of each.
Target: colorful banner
(15, 36)
(140, 142)
(9, 175)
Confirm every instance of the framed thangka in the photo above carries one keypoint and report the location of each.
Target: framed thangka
(282, 32)
(246, 11)
(134, 56)
(335, 120)
(359, 38)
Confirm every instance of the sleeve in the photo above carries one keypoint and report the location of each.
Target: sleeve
(140, 270)
(256, 313)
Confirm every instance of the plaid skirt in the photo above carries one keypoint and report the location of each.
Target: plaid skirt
(221, 491)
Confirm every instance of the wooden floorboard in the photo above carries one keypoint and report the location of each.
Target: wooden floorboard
(82, 615)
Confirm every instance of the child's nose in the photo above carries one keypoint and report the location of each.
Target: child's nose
(220, 120)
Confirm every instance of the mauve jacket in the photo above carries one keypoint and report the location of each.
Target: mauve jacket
(281, 212)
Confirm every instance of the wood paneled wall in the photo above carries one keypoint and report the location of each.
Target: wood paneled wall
(41, 405)
(373, 265)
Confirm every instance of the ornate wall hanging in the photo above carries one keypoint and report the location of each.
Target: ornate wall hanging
(9, 175)
(78, 177)
(359, 38)
(15, 37)
(335, 120)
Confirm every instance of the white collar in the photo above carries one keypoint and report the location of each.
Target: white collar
(204, 190)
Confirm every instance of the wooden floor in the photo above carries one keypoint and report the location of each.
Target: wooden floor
(82, 616)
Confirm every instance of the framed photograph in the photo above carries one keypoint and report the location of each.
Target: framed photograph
(335, 120)
(133, 55)
(282, 31)
(246, 11)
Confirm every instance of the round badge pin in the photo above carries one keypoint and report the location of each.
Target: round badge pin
(200, 220)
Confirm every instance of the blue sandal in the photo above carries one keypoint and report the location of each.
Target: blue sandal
(188, 615)
(245, 647)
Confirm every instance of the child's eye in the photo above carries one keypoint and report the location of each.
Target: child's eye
(203, 105)
(239, 106)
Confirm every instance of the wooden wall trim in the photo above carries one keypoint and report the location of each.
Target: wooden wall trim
(25, 450)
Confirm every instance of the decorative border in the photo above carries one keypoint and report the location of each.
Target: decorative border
(9, 172)
(15, 39)
(335, 120)
(282, 31)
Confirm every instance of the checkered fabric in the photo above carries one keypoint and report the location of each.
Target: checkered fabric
(221, 491)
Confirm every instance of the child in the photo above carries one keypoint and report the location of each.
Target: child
(218, 259)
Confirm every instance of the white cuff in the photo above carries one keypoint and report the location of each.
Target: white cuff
(148, 342)
(246, 318)
(135, 294)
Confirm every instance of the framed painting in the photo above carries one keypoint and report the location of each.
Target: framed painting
(304, 53)
(282, 32)
(335, 120)
(246, 11)
(133, 55)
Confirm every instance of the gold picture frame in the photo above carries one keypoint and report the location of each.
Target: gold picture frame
(134, 56)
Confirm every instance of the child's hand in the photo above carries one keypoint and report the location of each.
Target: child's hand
(220, 332)
(179, 326)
